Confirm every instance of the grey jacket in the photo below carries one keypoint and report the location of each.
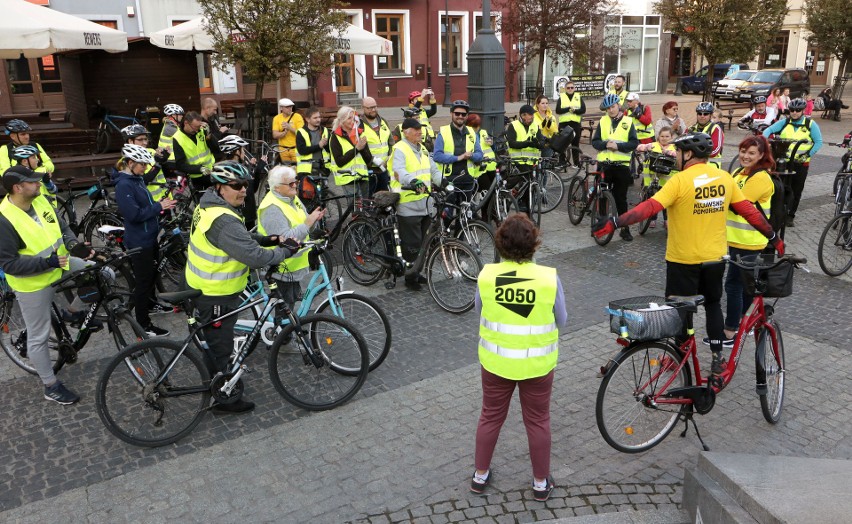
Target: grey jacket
(275, 223)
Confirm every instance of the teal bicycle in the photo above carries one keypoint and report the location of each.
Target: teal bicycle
(363, 312)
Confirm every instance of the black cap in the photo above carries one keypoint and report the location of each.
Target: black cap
(526, 109)
(411, 123)
(17, 174)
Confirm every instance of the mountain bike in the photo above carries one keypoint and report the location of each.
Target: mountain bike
(550, 183)
(156, 391)
(591, 198)
(655, 380)
(101, 210)
(834, 250)
(841, 188)
(110, 124)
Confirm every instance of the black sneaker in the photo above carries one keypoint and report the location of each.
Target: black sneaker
(625, 234)
(726, 342)
(791, 222)
(240, 406)
(413, 284)
(60, 394)
(478, 486)
(75, 320)
(421, 279)
(543, 494)
(158, 309)
(154, 331)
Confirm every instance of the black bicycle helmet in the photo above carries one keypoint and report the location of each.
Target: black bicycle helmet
(229, 171)
(230, 143)
(410, 113)
(699, 143)
(17, 126)
(22, 152)
(460, 103)
(797, 104)
(133, 131)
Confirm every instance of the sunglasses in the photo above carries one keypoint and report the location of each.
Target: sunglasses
(704, 114)
(237, 186)
(459, 114)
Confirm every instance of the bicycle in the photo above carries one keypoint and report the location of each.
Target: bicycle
(648, 386)
(101, 294)
(834, 250)
(595, 199)
(551, 185)
(841, 188)
(101, 210)
(478, 234)
(659, 165)
(156, 391)
(110, 123)
(271, 155)
(372, 248)
(354, 307)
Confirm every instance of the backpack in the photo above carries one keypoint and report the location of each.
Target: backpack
(819, 103)
(777, 205)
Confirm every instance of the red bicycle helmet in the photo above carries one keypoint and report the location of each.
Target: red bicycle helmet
(412, 95)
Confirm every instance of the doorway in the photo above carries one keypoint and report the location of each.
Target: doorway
(35, 84)
(344, 68)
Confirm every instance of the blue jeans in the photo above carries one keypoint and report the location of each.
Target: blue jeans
(738, 299)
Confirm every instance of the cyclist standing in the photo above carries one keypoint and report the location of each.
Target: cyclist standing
(642, 119)
(19, 135)
(233, 147)
(704, 124)
(312, 145)
(525, 141)
(615, 139)
(194, 150)
(797, 127)
(154, 177)
(457, 148)
(221, 251)
(570, 107)
(380, 141)
(415, 104)
(760, 114)
(697, 198)
(350, 155)
(174, 116)
(29, 156)
(284, 127)
(618, 89)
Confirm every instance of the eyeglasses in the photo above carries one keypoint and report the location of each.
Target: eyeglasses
(704, 114)
(455, 113)
(237, 186)
(293, 185)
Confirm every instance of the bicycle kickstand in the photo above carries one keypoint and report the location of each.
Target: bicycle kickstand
(390, 284)
(687, 418)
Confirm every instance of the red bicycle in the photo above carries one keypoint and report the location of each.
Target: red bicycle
(648, 387)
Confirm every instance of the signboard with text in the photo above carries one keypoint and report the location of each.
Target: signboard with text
(590, 86)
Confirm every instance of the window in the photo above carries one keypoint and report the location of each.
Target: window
(112, 24)
(477, 24)
(48, 70)
(19, 75)
(454, 39)
(775, 53)
(391, 26)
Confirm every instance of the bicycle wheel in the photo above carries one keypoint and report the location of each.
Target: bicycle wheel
(170, 278)
(327, 376)
(127, 330)
(647, 193)
(501, 206)
(843, 196)
(770, 359)
(452, 269)
(604, 206)
(370, 319)
(65, 211)
(552, 190)
(626, 416)
(835, 246)
(534, 198)
(362, 242)
(480, 236)
(92, 225)
(102, 139)
(578, 200)
(13, 337)
(137, 410)
(636, 164)
(735, 163)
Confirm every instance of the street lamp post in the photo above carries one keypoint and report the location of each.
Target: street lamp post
(486, 89)
(447, 87)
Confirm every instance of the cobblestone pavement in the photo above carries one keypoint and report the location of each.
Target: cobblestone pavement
(402, 451)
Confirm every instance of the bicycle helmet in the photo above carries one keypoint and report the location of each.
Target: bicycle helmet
(460, 103)
(413, 95)
(705, 107)
(137, 154)
(17, 126)
(22, 152)
(231, 143)
(410, 113)
(172, 110)
(699, 143)
(797, 104)
(229, 171)
(133, 131)
(609, 100)
(758, 99)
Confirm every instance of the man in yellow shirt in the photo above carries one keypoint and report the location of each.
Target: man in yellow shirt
(698, 198)
(284, 127)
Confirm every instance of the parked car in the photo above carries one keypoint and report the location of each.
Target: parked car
(765, 80)
(695, 83)
(724, 88)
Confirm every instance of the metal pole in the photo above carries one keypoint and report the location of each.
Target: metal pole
(679, 68)
(447, 87)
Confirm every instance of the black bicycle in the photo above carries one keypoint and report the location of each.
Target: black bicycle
(659, 165)
(590, 194)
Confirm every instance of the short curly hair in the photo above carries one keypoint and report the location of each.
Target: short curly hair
(517, 238)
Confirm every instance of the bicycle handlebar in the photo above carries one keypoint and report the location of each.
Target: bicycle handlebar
(104, 261)
(750, 264)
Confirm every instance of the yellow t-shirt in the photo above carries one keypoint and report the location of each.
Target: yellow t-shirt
(289, 139)
(697, 200)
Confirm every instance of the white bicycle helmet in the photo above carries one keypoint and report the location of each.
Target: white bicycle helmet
(230, 143)
(22, 152)
(172, 110)
(137, 154)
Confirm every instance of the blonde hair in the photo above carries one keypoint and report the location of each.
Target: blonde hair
(342, 114)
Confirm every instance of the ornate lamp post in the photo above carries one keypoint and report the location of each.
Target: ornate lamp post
(487, 83)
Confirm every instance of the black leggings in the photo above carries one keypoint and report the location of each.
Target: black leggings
(575, 142)
(621, 180)
(144, 272)
(698, 279)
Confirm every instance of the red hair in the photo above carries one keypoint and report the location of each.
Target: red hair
(473, 120)
(766, 161)
(668, 105)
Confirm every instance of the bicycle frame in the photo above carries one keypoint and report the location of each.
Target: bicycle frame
(110, 118)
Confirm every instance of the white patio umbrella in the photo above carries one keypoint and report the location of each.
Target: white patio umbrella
(36, 31)
(192, 35)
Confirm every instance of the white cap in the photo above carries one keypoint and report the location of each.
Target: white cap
(285, 102)
(633, 96)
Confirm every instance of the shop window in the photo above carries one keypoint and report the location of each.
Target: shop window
(454, 39)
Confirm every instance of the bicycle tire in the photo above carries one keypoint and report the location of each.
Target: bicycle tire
(552, 190)
(121, 336)
(624, 421)
(362, 239)
(171, 277)
(13, 338)
(102, 139)
(452, 269)
(772, 362)
(604, 206)
(342, 371)
(502, 205)
(120, 397)
(66, 213)
(370, 319)
(645, 223)
(636, 164)
(843, 196)
(93, 222)
(578, 200)
(480, 236)
(834, 250)
(735, 163)
(534, 198)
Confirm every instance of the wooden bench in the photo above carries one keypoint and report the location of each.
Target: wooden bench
(730, 109)
(591, 123)
(72, 152)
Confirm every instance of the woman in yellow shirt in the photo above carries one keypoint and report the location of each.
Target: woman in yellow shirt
(544, 118)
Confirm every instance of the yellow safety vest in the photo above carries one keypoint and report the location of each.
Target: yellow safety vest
(489, 160)
(428, 132)
(738, 230)
(657, 148)
(41, 239)
(421, 169)
(208, 268)
(167, 140)
(356, 167)
(622, 96)
(802, 132)
(296, 215)
(305, 163)
(378, 142)
(518, 337)
(708, 130)
(527, 155)
(620, 134)
(196, 150)
(574, 102)
(450, 147)
(6, 160)
(157, 187)
(643, 131)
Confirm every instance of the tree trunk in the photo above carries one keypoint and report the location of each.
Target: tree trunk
(708, 80)
(835, 88)
(257, 111)
(539, 77)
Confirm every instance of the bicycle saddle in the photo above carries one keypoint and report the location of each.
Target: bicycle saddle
(693, 301)
(179, 297)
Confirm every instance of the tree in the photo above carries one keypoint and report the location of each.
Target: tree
(553, 26)
(273, 38)
(723, 29)
(830, 24)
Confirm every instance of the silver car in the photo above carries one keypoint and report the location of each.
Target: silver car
(724, 88)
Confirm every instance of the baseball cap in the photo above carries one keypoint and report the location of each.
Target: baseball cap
(411, 123)
(17, 174)
(633, 96)
(285, 102)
